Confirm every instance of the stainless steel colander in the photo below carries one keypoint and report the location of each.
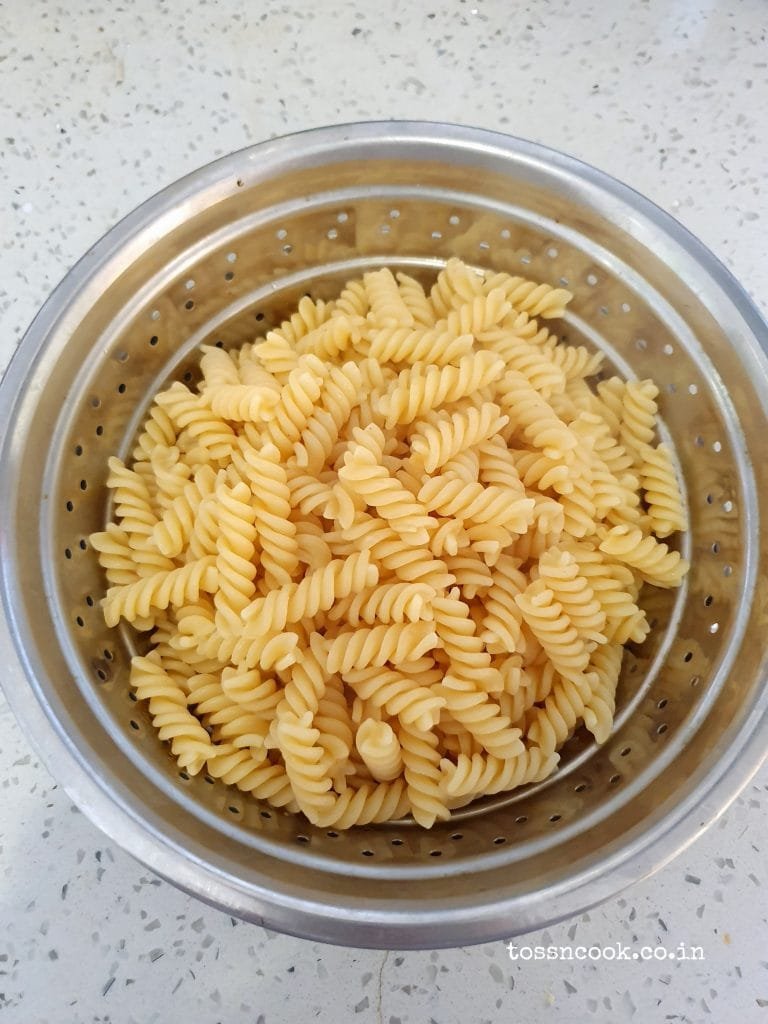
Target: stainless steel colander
(218, 257)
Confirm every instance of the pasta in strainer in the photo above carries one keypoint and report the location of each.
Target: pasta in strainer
(388, 555)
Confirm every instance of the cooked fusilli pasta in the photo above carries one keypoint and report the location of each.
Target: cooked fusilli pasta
(387, 556)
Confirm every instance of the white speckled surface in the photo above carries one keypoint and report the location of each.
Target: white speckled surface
(669, 95)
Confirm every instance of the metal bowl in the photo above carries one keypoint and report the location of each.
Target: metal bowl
(217, 257)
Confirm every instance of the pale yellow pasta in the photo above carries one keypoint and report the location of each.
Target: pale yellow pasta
(387, 556)
(172, 533)
(388, 308)
(421, 761)
(115, 555)
(531, 297)
(546, 619)
(308, 317)
(387, 602)
(377, 645)
(456, 284)
(415, 298)
(652, 559)
(441, 436)
(190, 743)
(421, 388)
(662, 492)
(333, 337)
(396, 692)
(559, 571)
(305, 764)
(164, 588)
(485, 774)
(378, 746)
(235, 550)
(210, 437)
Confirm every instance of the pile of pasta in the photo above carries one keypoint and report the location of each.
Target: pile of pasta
(387, 557)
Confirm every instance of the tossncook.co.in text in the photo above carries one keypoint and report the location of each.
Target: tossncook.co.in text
(616, 951)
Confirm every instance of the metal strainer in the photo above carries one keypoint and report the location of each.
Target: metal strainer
(217, 258)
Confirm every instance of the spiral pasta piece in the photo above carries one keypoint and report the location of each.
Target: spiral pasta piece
(249, 403)
(522, 687)
(116, 556)
(551, 725)
(449, 495)
(575, 361)
(251, 689)
(542, 472)
(419, 345)
(190, 413)
(378, 644)
(378, 746)
(415, 299)
(296, 404)
(468, 660)
(529, 297)
(471, 572)
(533, 362)
(385, 603)
(277, 356)
(456, 285)
(174, 529)
(497, 466)
(442, 436)
(559, 571)
(218, 367)
(307, 318)
(477, 314)
(311, 545)
(333, 337)
(353, 301)
(235, 548)
(662, 492)
(173, 587)
(529, 413)
(305, 764)
(364, 475)
(487, 774)
(272, 507)
(230, 721)
(133, 504)
(624, 621)
(421, 760)
(190, 743)
(421, 388)
(502, 619)
(546, 619)
(481, 716)
(367, 805)
(638, 416)
(158, 429)
(651, 558)
(387, 306)
(317, 592)
(254, 775)
(340, 393)
(605, 666)
(410, 564)
(398, 694)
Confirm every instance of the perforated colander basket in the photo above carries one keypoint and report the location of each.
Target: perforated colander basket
(218, 257)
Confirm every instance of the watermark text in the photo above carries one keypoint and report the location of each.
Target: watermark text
(614, 951)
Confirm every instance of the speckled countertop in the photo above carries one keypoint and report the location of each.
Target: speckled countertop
(98, 110)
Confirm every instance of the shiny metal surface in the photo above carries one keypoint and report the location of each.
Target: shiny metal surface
(217, 257)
